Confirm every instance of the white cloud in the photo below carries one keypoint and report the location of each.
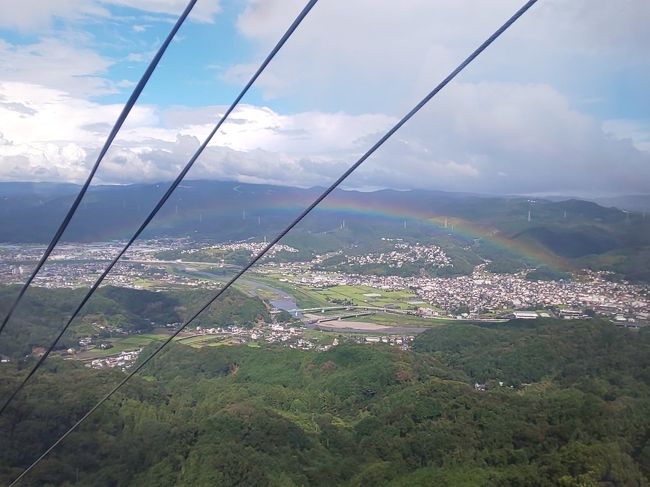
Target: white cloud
(36, 14)
(57, 64)
(637, 131)
(598, 25)
(29, 15)
(368, 54)
(58, 117)
(494, 137)
(52, 135)
(515, 138)
(203, 11)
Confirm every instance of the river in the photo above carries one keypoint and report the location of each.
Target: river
(284, 302)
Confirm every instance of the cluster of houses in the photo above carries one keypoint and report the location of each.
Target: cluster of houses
(250, 247)
(269, 333)
(403, 342)
(404, 253)
(122, 361)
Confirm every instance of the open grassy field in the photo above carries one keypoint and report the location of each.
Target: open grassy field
(145, 283)
(215, 342)
(362, 295)
(197, 339)
(139, 340)
(308, 297)
(123, 344)
(326, 337)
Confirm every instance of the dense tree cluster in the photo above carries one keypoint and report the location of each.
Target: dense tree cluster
(44, 311)
(525, 403)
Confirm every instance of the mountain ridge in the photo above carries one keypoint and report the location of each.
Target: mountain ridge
(568, 230)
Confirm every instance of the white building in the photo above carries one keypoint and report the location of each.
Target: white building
(525, 315)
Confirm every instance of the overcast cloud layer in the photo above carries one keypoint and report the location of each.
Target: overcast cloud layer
(546, 110)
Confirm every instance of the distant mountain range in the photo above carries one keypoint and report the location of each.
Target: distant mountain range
(633, 202)
(225, 211)
(630, 202)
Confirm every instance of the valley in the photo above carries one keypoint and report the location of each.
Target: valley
(379, 350)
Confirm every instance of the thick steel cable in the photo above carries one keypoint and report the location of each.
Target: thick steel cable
(287, 229)
(111, 136)
(163, 200)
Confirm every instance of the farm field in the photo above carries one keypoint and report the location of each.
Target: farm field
(309, 297)
(122, 344)
(362, 295)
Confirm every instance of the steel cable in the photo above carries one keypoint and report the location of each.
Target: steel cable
(287, 229)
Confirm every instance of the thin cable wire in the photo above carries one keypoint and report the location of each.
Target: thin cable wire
(116, 128)
(295, 222)
(163, 200)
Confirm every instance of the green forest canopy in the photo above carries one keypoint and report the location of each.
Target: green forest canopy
(573, 409)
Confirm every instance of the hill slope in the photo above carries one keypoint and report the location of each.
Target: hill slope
(355, 415)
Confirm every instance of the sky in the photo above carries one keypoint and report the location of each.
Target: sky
(558, 105)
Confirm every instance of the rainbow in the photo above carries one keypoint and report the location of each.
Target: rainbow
(348, 202)
(454, 226)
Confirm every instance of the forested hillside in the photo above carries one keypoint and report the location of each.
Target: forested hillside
(113, 310)
(565, 403)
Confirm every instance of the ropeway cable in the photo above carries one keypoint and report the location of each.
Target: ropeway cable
(162, 201)
(111, 136)
(287, 229)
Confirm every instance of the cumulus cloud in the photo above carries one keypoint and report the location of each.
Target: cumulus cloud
(61, 135)
(494, 137)
(512, 138)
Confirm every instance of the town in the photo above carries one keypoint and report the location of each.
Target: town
(485, 294)
(481, 295)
